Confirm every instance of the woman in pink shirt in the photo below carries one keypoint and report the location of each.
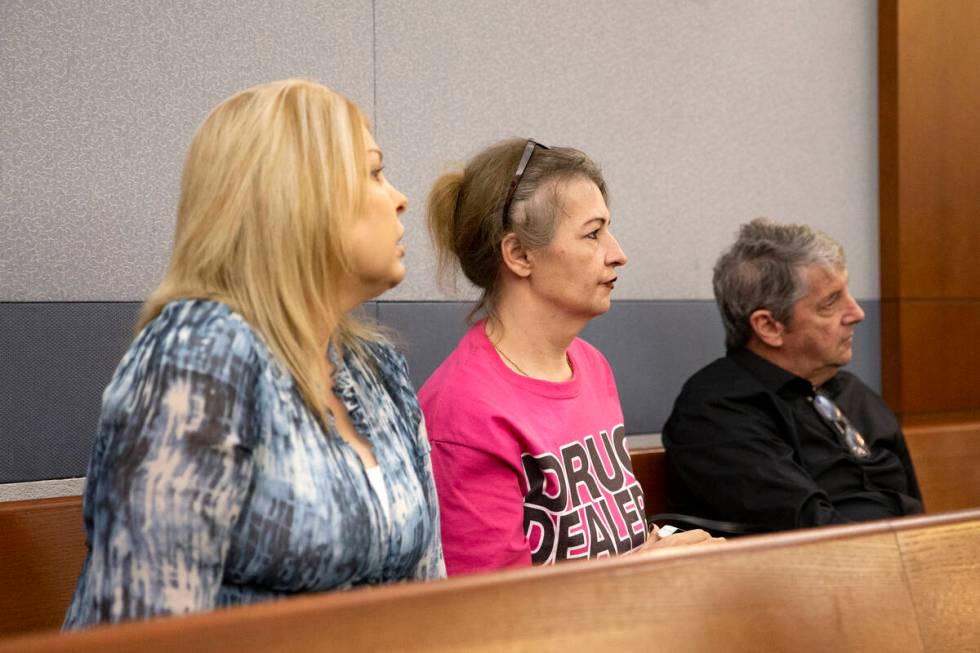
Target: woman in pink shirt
(528, 443)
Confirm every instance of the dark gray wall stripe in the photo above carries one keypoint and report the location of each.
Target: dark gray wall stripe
(652, 346)
(56, 358)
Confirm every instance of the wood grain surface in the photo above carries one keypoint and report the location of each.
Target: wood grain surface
(943, 567)
(650, 469)
(929, 163)
(839, 588)
(42, 548)
(929, 137)
(938, 353)
(947, 462)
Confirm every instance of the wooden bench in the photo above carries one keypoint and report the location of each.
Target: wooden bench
(899, 585)
(42, 542)
(42, 548)
(947, 463)
(650, 469)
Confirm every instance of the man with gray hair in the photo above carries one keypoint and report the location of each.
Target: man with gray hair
(774, 435)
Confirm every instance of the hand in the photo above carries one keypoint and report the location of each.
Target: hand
(685, 538)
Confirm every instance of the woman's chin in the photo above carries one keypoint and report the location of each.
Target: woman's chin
(397, 277)
(390, 282)
(602, 307)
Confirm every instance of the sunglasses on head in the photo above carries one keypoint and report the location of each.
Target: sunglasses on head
(529, 148)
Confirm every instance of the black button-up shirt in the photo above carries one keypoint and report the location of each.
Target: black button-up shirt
(745, 444)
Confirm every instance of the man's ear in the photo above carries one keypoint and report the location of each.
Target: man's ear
(515, 256)
(767, 328)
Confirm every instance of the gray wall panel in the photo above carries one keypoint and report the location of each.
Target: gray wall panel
(652, 347)
(867, 346)
(56, 360)
(58, 357)
(99, 102)
(703, 114)
(426, 331)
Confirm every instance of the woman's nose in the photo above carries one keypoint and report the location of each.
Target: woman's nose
(616, 256)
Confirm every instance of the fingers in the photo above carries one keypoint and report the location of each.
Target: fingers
(654, 535)
(687, 538)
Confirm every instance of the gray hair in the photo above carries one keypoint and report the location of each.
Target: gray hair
(764, 270)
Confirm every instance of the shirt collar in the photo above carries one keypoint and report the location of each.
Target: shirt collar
(776, 379)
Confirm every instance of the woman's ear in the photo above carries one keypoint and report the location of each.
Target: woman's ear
(767, 328)
(515, 256)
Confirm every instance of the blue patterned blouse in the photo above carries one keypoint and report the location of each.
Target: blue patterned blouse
(212, 484)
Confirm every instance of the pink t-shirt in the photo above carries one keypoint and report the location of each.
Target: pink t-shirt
(529, 471)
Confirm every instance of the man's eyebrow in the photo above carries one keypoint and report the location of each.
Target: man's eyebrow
(832, 297)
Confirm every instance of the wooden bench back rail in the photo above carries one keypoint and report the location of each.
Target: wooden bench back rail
(42, 548)
(902, 585)
(42, 542)
(947, 462)
(650, 469)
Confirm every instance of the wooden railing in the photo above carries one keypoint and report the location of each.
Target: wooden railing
(42, 542)
(900, 585)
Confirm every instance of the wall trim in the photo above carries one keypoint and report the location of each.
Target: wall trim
(59, 487)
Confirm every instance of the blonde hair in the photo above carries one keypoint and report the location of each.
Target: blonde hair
(465, 209)
(273, 177)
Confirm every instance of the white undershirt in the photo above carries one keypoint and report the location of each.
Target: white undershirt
(377, 479)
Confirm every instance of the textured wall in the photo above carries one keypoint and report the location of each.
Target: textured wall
(99, 102)
(704, 114)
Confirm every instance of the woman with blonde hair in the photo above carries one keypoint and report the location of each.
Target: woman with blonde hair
(256, 440)
(529, 449)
